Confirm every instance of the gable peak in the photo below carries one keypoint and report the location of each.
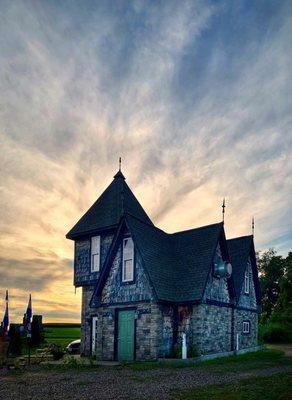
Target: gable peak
(120, 175)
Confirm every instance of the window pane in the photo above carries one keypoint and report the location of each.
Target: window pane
(128, 249)
(95, 252)
(95, 244)
(128, 270)
(95, 262)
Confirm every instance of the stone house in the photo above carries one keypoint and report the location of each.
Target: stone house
(143, 288)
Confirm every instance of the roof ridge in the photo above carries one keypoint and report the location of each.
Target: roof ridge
(145, 223)
(240, 237)
(194, 229)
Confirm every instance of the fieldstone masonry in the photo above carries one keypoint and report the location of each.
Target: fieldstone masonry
(82, 272)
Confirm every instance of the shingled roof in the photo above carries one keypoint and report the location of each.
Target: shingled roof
(177, 264)
(106, 212)
(240, 249)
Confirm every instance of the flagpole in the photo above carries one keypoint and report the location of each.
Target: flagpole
(28, 315)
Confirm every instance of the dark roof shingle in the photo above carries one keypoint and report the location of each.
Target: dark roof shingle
(108, 209)
(178, 264)
(239, 250)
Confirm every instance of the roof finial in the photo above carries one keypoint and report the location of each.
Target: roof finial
(120, 163)
(223, 209)
(252, 226)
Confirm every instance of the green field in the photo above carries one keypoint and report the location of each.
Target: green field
(61, 334)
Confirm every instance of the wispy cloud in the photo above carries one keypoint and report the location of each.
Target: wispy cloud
(194, 95)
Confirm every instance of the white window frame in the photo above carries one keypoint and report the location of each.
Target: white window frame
(246, 327)
(246, 282)
(127, 259)
(95, 253)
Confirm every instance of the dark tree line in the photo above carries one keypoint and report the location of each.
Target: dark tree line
(276, 286)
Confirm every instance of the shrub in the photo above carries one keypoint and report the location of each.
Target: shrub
(56, 351)
(273, 333)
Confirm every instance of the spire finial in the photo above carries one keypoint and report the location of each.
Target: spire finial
(252, 226)
(223, 209)
(120, 163)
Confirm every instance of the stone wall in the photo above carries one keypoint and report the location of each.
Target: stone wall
(116, 291)
(86, 315)
(245, 339)
(166, 335)
(148, 328)
(211, 329)
(217, 288)
(82, 268)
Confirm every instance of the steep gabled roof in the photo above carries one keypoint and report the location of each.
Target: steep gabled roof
(240, 249)
(177, 264)
(194, 251)
(108, 209)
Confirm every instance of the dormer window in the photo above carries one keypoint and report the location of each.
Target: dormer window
(128, 260)
(95, 253)
(246, 282)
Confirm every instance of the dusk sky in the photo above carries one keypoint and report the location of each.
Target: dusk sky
(196, 96)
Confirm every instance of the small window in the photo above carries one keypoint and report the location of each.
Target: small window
(246, 282)
(95, 253)
(246, 327)
(128, 260)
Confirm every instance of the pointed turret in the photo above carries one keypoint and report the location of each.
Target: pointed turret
(106, 212)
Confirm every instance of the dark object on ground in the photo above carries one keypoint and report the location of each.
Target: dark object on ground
(56, 351)
(74, 347)
(37, 331)
(15, 343)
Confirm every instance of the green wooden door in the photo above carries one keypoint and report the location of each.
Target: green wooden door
(126, 335)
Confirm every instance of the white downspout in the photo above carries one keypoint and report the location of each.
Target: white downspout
(184, 347)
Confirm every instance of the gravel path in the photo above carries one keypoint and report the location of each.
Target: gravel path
(111, 383)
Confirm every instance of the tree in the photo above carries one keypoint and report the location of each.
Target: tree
(283, 309)
(276, 286)
(271, 269)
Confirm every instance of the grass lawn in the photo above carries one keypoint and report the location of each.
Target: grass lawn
(243, 362)
(275, 387)
(61, 334)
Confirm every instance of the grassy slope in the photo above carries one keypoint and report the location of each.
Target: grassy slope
(274, 387)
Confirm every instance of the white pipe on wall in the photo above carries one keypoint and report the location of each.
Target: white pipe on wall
(237, 341)
(184, 347)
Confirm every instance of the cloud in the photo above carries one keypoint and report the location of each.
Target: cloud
(195, 97)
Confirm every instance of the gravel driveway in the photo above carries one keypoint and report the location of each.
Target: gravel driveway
(113, 383)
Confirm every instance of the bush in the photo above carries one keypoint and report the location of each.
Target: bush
(273, 333)
(56, 351)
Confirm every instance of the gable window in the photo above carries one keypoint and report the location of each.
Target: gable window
(128, 260)
(246, 327)
(246, 282)
(95, 253)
